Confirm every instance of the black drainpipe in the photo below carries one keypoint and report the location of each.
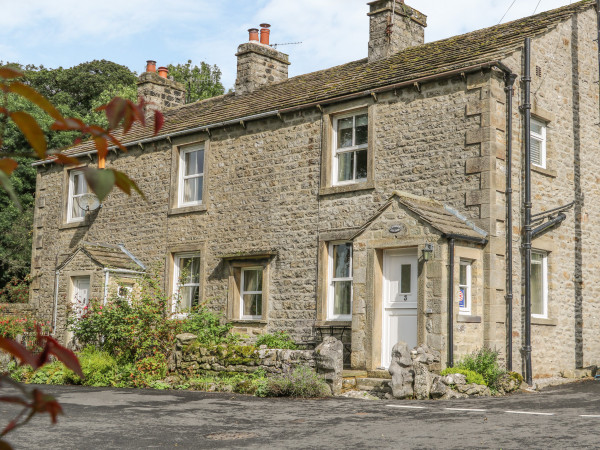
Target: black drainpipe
(451, 304)
(527, 205)
(509, 89)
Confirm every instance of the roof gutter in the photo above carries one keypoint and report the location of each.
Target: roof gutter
(498, 64)
(461, 237)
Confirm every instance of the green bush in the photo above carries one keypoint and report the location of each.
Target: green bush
(279, 339)
(149, 370)
(144, 326)
(472, 377)
(99, 369)
(484, 362)
(129, 331)
(301, 382)
(241, 383)
(516, 376)
(207, 325)
(12, 326)
(16, 290)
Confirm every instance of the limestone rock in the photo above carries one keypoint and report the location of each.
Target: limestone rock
(508, 383)
(401, 371)
(330, 362)
(450, 393)
(454, 379)
(423, 380)
(426, 355)
(186, 338)
(474, 390)
(438, 388)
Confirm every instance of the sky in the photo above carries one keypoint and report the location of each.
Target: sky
(129, 32)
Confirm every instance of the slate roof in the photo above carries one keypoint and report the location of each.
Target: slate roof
(112, 256)
(441, 217)
(455, 53)
(108, 256)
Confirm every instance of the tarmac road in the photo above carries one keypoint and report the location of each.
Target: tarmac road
(567, 416)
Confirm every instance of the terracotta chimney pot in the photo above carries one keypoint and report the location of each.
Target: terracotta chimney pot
(150, 66)
(264, 33)
(163, 72)
(253, 34)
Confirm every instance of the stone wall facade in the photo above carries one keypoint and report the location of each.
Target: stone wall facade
(269, 200)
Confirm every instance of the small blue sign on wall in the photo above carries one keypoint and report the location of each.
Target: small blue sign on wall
(461, 298)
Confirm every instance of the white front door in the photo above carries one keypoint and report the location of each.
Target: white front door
(399, 301)
(80, 299)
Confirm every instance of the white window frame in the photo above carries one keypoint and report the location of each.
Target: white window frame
(542, 139)
(182, 177)
(243, 292)
(331, 289)
(544, 256)
(71, 196)
(467, 287)
(176, 275)
(353, 149)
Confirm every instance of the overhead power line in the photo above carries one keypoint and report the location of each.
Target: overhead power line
(511, 5)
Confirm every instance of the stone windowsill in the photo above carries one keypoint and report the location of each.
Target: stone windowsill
(331, 190)
(333, 323)
(187, 209)
(548, 172)
(67, 225)
(541, 321)
(248, 322)
(466, 318)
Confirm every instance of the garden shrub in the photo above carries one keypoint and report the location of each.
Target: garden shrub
(99, 369)
(129, 331)
(472, 377)
(302, 382)
(12, 326)
(144, 326)
(241, 383)
(279, 339)
(207, 325)
(16, 290)
(484, 362)
(149, 370)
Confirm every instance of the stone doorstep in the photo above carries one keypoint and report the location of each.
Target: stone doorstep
(373, 384)
(380, 373)
(354, 374)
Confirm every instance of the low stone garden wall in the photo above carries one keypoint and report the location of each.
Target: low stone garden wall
(191, 356)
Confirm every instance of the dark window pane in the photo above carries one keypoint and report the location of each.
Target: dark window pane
(463, 274)
(345, 132)
(252, 280)
(362, 130)
(342, 255)
(252, 304)
(405, 283)
(537, 288)
(361, 164)
(345, 166)
(342, 298)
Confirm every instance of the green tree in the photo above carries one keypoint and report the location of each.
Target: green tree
(76, 92)
(200, 82)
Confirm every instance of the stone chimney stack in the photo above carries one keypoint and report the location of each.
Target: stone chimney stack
(258, 63)
(393, 27)
(158, 90)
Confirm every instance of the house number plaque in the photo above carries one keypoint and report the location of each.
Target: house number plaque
(395, 229)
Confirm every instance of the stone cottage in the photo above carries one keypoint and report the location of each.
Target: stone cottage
(381, 200)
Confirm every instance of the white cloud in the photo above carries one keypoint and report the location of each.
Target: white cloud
(67, 32)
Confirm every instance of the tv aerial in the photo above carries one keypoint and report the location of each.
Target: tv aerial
(88, 202)
(286, 43)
